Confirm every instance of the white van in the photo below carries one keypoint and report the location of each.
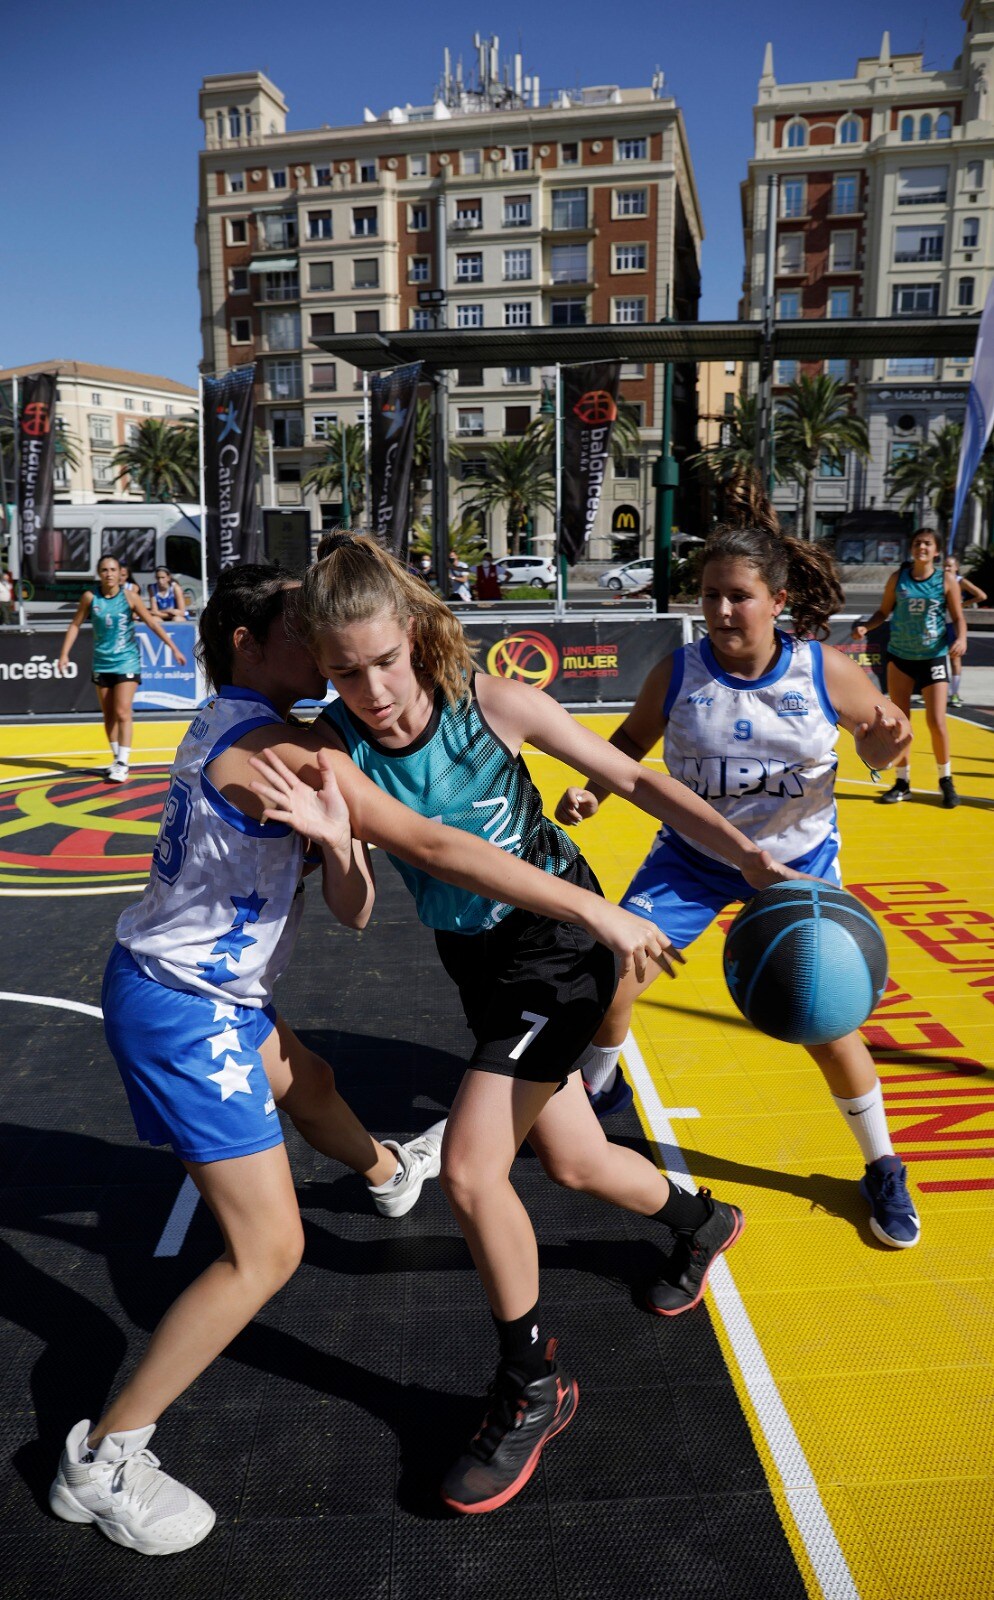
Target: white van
(144, 536)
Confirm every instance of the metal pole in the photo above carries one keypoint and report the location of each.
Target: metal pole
(203, 491)
(561, 559)
(440, 417)
(764, 406)
(665, 477)
(365, 446)
(346, 501)
(272, 462)
(15, 541)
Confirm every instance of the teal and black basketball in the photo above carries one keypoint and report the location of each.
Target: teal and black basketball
(805, 962)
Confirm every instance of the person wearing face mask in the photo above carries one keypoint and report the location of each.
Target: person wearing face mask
(487, 581)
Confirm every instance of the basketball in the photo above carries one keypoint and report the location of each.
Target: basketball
(805, 962)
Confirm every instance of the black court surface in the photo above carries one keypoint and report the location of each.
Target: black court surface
(321, 1434)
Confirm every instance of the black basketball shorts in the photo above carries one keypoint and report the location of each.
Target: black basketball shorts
(934, 669)
(534, 991)
(109, 680)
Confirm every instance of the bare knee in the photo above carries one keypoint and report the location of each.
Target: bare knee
(465, 1181)
(571, 1170)
(312, 1086)
(272, 1261)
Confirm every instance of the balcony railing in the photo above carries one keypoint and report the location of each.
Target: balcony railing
(927, 199)
(466, 224)
(918, 255)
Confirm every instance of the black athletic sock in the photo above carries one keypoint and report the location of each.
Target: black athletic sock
(683, 1212)
(521, 1348)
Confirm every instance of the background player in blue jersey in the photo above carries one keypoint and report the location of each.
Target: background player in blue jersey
(916, 600)
(416, 717)
(971, 594)
(205, 1059)
(750, 720)
(116, 661)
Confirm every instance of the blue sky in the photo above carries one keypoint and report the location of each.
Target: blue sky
(100, 133)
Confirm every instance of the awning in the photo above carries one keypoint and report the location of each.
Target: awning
(278, 264)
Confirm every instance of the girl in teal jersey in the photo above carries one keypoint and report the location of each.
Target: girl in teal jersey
(916, 600)
(418, 719)
(116, 662)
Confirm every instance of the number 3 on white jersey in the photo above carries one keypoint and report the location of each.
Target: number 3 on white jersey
(537, 1024)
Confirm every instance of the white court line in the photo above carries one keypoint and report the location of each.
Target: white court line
(48, 1000)
(810, 1517)
(179, 1219)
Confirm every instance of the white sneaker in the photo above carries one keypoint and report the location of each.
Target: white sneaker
(117, 772)
(119, 1487)
(421, 1158)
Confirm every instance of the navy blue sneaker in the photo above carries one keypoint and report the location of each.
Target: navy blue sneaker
(609, 1101)
(893, 1217)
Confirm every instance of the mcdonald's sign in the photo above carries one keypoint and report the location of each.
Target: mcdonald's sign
(626, 520)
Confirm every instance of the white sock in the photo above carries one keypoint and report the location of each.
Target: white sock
(383, 1188)
(867, 1121)
(600, 1066)
(114, 748)
(903, 772)
(944, 769)
(116, 1446)
(124, 753)
(954, 686)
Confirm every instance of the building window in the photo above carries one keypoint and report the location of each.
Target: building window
(469, 316)
(417, 166)
(795, 135)
(104, 475)
(367, 172)
(520, 159)
(472, 163)
(792, 197)
(838, 369)
(279, 230)
(925, 127)
(568, 263)
(729, 405)
(469, 421)
(922, 186)
(281, 286)
(284, 380)
(322, 324)
(129, 404)
(241, 330)
(915, 300)
(277, 178)
(419, 269)
(631, 202)
(845, 199)
(417, 219)
(237, 230)
(319, 225)
(234, 123)
(919, 242)
(322, 177)
(288, 429)
(964, 294)
(842, 252)
(367, 322)
(902, 450)
(469, 377)
(169, 411)
(238, 280)
(421, 320)
(517, 313)
(569, 155)
(513, 375)
(517, 265)
(840, 303)
(569, 208)
(324, 424)
(944, 126)
(568, 313)
(786, 372)
(518, 211)
(469, 267)
(236, 183)
(788, 305)
(366, 274)
(517, 420)
(634, 369)
(633, 149)
(974, 173)
(911, 367)
(321, 276)
(970, 237)
(324, 375)
(282, 329)
(791, 251)
(830, 466)
(630, 257)
(365, 224)
(907, 129)
(628, 468)
(469, 214)
(849, 131)
(146, 405)
(631, 309)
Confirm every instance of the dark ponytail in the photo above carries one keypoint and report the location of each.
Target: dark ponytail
(249, 596)
(806, 571)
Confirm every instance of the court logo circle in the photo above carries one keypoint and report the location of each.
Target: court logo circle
(596, 407)
(526, 657)
(75, 833)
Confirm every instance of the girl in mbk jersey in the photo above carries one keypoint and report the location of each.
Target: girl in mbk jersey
(916, 599)
(750, 719)
(417, 718)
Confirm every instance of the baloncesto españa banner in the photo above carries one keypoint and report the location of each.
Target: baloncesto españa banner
(590, 405)
(36, 475)
(229, 471)
(393, 409)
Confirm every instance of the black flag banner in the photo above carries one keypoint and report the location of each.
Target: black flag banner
(36, 475)
(392, 416)
(229, 471)
(590, 405)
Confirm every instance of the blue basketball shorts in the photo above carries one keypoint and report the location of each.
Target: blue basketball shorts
(682, 891)
(190, 1065)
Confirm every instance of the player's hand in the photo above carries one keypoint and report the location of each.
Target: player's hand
(859, 630)
(576, 805)
(62, 666)
(880, 742)
(957, 650)
(318, 814)
(762, 871)
(179, 657)
(635, 940)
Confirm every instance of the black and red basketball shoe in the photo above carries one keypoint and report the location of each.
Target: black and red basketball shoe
(685, 1275)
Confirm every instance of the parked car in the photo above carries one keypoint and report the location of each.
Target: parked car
(538, 571)
(636, 574)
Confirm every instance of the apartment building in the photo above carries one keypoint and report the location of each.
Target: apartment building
(100, 408)
(885, 209)
(577, 210)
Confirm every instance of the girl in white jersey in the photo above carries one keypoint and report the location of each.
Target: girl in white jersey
(205, 1059)
(423, 724)
(750, 721)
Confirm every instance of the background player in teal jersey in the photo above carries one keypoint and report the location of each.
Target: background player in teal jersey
(916, 600)
(116, 661)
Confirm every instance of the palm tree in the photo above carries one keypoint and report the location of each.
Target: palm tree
(421, 460)
(818, 422)
(516, 476)
(930, 474)
(162, 458)
(626, 435)
(326, 475)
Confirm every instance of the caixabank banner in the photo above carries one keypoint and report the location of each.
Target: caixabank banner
(578, 663)
(31, 684)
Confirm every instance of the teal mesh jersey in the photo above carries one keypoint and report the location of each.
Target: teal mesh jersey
(115, 647)
(918, 621)
(458, 772)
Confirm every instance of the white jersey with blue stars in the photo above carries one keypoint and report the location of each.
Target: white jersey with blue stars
(220, 910)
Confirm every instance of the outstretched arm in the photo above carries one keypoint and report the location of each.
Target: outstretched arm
(882, 612)
(143, 614)
(634, 737)
(321, 816)
(880, 730)
(72, 632)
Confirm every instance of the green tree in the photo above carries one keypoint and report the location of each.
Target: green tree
(516, 478)
(817, 422)
(929, 474)
(421, 460)
(162, 458)
(626, 435)
(326, 475)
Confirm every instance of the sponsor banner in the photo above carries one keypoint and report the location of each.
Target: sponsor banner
(869, 653)
(36, 476)
(393, 409)
(590, 406)
(979, 412)
(31, 685)
(576, 662)
(229, 471)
